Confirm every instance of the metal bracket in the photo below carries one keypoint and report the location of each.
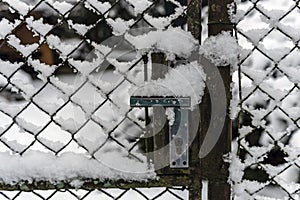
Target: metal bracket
(178, 131)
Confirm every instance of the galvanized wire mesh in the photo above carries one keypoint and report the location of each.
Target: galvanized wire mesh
(105, 194)
(267, 94)
(65, 73)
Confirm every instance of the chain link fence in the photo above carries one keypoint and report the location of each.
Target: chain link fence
(105, 194)
(66, 72)
(266, 160)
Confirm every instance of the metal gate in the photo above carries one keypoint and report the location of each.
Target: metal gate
(265, 160)
(67, 129)
(43, 42)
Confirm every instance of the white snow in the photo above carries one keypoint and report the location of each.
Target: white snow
(62, 6)
(17, 147)
(91, 141)
(102, 7)
(170, 115)
(256, 72)
(53, 145)
(163, 22)
(67, 124)
(80, 28)
(44, 69)
(65, 47)
(33, 128)
(221, 50)
(37, 166)
(119, 25)
(7, 27)
(7, 68)
(275, 54)
(255, 35)
(86, 67)
(164, 41)
(26, 87)
(38, 25)
(234, 108)
(19, 5)
(65, 87)
(10, 108)
(24, 49)
(139, 5)
(183, 81)
(49, 106)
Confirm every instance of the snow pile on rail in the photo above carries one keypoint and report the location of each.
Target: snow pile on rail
(40, 166)
(182, 81)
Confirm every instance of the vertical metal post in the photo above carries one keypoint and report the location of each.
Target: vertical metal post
(160, 127)
(147, 142)
(194, 26)
(213, 167)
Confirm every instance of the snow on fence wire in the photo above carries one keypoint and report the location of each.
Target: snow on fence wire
(66, 69)
(265, 160)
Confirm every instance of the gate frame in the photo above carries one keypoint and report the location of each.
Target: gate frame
(213, 168)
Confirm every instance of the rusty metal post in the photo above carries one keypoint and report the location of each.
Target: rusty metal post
(194, 26)
(213, 167)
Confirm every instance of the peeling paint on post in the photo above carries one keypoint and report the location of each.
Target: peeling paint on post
(218, 18)
(194, 18)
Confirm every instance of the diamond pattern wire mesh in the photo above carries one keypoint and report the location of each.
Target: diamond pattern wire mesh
(62, 57)
(105, 194)
(267, 89)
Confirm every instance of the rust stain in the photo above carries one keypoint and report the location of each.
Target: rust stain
(216, 8)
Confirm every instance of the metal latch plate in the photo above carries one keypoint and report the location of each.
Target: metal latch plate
(178, 131)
